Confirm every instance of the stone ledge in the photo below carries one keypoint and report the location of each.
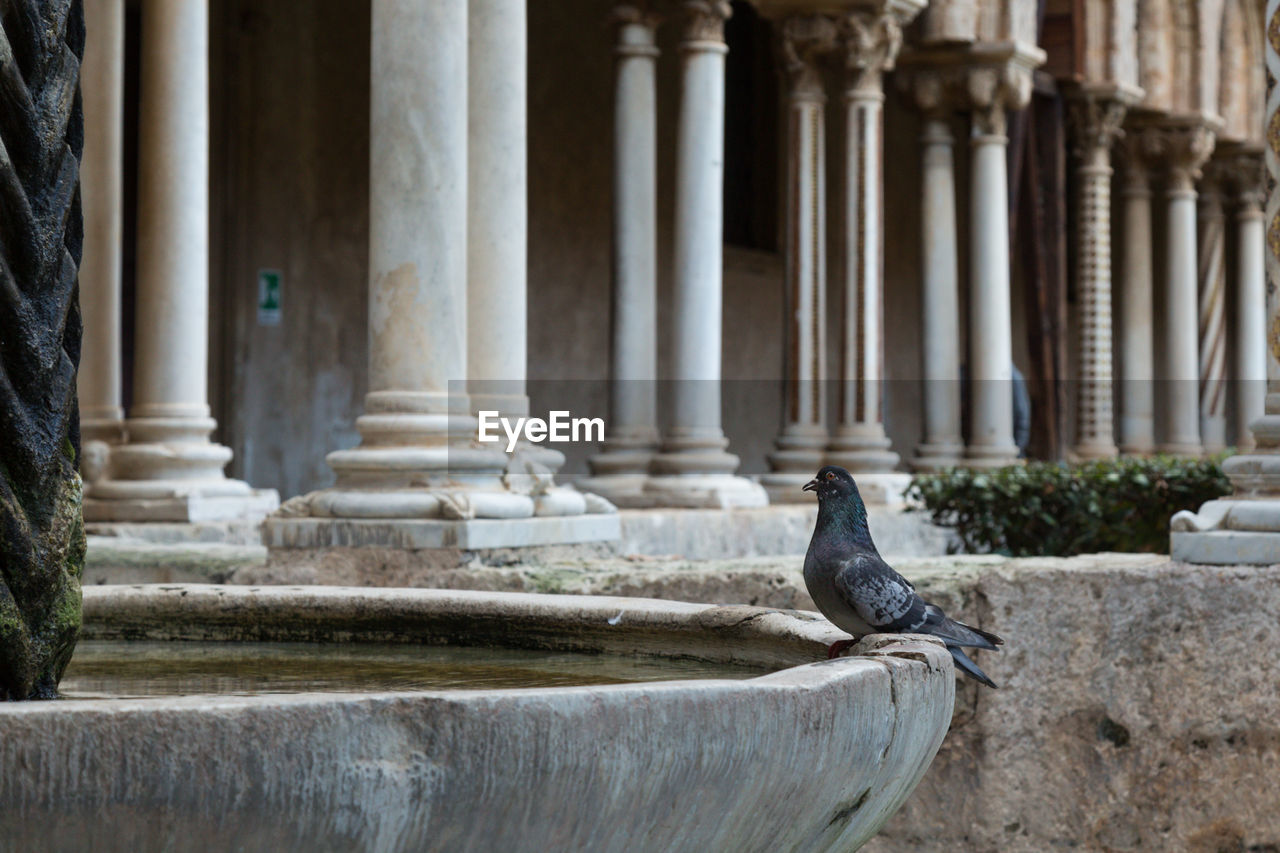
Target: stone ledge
(192, 508)
(419, 534)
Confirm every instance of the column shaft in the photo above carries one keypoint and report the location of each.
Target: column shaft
(990, 317)
(803, 438)
(1096, 114)
(169, 470)
(1213, 319)
(620, 468)
(694, 467)
(172, 334)
(497, 218)
(102, 89)
(1251, 318)
(1137, 371)
(940, 298)
(1181, 350)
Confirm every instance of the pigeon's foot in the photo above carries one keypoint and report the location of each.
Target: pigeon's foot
(834, 650)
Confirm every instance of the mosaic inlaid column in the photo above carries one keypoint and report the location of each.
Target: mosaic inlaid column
(800, 446)
(1245, 528)
(694, 468)
(102, 89)
(1213, 312)
(621, 467)
(1183, 150)
(1251, 296)
(859, 442)
(1137, 340)
(1096, 114)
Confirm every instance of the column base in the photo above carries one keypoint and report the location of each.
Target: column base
(937, 456)
(885, 489)
(619, 470)
(1176, 448)
(801, 452)
(787, 487)
(251, 505)
(991, 457)
(861, 448)
(1086, 452)
(1233, 531)
(705, 491)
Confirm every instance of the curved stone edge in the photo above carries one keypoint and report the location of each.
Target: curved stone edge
(814, 757)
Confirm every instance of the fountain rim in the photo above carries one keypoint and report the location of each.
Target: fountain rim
(790, 643)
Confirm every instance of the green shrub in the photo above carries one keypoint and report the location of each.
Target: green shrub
(1054, 509)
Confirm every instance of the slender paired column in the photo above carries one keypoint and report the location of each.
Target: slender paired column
(170, 470)
(943, 445)
(1245, 528)
(693, 467)
(1185, 147)
(872, 39)
(1137, 343)
(990, 313)
(620, 468)
(1251, 297)
(102, 89)
(805, 41)
(1213, 313)
(1096, 115)
(497, 207)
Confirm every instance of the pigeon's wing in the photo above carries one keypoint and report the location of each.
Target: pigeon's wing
(881, 597)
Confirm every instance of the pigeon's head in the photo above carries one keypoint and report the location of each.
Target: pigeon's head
(833, 482)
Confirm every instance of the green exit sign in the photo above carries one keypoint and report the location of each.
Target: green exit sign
(269, 297)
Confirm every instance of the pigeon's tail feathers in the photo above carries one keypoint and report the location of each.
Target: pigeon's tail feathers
(968, 667)
(957, 633)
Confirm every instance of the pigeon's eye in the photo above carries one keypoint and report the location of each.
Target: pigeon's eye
(831, 475)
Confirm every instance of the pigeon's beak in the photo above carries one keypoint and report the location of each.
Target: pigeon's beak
(811, 486)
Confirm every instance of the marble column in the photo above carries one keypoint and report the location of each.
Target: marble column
(1184, 147)
(800, 445)
(693, 467)
(1245, 528)
(943, 444)
(1251, 297)
(102, 89)
(422, 472)
(1211, 253)
(990, 312)
(1096, 115)
(859, 443)
(619, 470)
(1137, 341)
(170, 470)
(497, 207)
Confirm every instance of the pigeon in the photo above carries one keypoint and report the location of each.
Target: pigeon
(859, 592)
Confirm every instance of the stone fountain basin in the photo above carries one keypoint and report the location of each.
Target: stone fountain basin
(813, 756)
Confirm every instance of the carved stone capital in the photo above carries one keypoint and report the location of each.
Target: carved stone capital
(1179, 146)
(985, 78)
(640, 12)
(872, 39)
(637, 22)
(805, 40)
(1096, 115)
(1243, 173)
(704, 20)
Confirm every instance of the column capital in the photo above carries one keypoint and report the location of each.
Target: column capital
(1179, 144)
(805, 40)
(1096, 114)
(986, 78)
(637, 21)
(1243, 171)
(704, 20)
(872, 37)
